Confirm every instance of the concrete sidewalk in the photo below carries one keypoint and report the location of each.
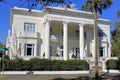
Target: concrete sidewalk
(46, 72)
(56, 72)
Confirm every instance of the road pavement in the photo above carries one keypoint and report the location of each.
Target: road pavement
(117, 76)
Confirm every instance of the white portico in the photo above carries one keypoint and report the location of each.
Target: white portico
(65, 38)
(57, 33)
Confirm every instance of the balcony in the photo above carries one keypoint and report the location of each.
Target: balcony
(103, 39)
(60, 37)
(30, 35)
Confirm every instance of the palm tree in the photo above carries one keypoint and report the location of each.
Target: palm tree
(96, 6)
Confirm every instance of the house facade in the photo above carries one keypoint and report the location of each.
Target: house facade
(56, 33)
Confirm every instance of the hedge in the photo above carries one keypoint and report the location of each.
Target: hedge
(37, 64)
(112, 64)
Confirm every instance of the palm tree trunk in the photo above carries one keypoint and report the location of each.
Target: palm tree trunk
(96, 43)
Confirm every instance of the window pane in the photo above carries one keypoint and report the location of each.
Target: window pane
(29, 49)
(29, 27)
(100, 33)
(101, 52)
(33, 28)
(29, 45)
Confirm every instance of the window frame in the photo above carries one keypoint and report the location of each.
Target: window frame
(29, 27)
(103, 51)
(32, 46)
(101, 33)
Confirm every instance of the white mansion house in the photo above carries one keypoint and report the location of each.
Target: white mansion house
(56, 33)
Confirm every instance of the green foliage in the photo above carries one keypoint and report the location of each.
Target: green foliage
(112, 64)
(16, 64)
(98, 5)
(36, 64)
(1, 44)
(116, 42)
(6, 57)
(115, 49)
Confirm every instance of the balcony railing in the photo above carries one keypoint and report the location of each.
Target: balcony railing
(60, 37)
(30, 34)
(104, 39)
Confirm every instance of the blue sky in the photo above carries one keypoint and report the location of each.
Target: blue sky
(5, 14)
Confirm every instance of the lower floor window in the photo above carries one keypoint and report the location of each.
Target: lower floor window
(101, 52)
(29, 49)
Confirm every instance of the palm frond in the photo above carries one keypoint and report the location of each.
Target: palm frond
(84, 7)
(99, 5)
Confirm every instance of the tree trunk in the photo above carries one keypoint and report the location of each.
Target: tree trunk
(96, 43)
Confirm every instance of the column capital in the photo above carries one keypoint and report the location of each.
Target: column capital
(65, 22)
(48, 20)
(81, 24)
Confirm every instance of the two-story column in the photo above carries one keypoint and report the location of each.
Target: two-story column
(35, 49)
(43, 40)
(81, 40)
(65, 40)
(47, 39)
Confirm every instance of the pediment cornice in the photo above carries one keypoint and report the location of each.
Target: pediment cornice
(74, 13)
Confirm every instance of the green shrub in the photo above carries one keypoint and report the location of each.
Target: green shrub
(6, 57)
(16, 65)
(119, 63)
(112, 64)
(36, 64)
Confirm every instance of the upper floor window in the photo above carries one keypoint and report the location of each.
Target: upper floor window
(100, 33)
(29, 27)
